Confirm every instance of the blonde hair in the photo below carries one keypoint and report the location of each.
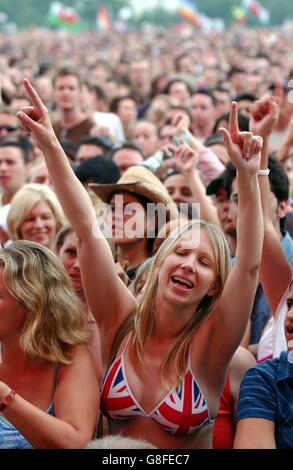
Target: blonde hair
(54, 323)
(175, 362)
(24, 201)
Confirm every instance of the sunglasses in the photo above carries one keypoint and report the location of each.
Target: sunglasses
(8, 128)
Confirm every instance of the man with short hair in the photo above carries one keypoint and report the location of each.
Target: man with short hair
(203, 113)
(13, 168)
(73, 124)
(93, 147)
(126, 156)
(8, 122)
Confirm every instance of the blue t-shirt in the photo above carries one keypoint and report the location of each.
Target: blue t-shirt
(267, 392)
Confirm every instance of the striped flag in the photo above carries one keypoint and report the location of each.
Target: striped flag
(61, 15)
(257, 10)
(103, 21)
(188, 11)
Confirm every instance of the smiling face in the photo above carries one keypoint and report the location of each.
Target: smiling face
(288, 323)
(188, 273)
(39, 225)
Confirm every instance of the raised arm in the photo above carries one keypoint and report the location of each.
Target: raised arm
(275, 269)
(208, 165)
(235, 303)
(186, 161)
(107, 296)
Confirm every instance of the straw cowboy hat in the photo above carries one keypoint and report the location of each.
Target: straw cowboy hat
(140, 181)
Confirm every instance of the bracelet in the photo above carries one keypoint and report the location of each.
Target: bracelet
(7, 399)
(264, 172)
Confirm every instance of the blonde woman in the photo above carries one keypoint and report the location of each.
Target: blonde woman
(48, 385)
(35, 214)
(166, 378)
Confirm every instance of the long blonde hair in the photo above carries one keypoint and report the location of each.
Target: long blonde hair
(54, 322)
(175, 362)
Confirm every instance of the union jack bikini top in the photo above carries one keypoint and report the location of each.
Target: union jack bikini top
(181, 412)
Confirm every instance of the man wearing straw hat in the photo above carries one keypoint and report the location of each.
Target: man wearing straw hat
(140, 205)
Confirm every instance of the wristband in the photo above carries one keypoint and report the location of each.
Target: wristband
(264, 172)
(7, 399)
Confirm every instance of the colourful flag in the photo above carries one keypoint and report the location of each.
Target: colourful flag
(188, 11)
(239, 14)
(61, 15)
(103, 21)
(257, 10)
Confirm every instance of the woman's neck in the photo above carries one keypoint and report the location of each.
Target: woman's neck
(171, 319)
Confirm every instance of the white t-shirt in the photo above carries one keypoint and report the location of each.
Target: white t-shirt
(273, 341)
(112, 122)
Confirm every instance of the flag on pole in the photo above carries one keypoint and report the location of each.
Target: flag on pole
(61, 15)
(188, 11)
(103, 21)
(257, 10)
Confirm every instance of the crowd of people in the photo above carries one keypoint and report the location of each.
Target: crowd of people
(146, 219)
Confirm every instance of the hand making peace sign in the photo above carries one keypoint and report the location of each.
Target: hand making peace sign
(35, 119)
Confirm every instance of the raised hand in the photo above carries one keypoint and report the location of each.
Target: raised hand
(35, 119)
(186, 158)
(180, 122)
(264, 116)
(243, 147)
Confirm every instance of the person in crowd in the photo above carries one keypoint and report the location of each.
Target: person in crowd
(140, 189)
(146, 137)
(126, 110)
(66, 250)
(127, 155)
(265, 407)
(38, 172)
(180, 91)
(185, 331)
(48, 386)
(13, 168)
(203, 113)
(35, 214)
(8, 122)
(72, 124)
(97, 170)
(94, 146)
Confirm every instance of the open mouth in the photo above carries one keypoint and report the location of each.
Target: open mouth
(179, 281)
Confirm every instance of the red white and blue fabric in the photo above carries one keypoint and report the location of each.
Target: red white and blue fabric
(183, 411)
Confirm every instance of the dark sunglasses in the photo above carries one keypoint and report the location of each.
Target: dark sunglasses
(8, 128)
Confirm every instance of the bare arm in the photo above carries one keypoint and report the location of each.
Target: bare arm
(285, 148)
(76, 405)
(255, 433)
(275, 269)
(235, 303)
(186, 160)
(108, 298)
(208, 165)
